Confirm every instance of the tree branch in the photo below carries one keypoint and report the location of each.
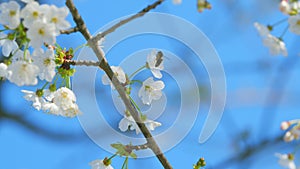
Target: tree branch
(69, 31)
(122, 22)
(137, 147)
(93, 43)
(83, 62)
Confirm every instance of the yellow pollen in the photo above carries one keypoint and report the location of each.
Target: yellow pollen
(298, 22)
(47, 62)
(35, 14)
(41, 31)
(64, 94)
(12, 13)
(54, 20)
(24, 66)
(148, 88)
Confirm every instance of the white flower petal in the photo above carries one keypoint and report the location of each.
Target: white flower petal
(3, 70)
(151, 90)
(8, 47)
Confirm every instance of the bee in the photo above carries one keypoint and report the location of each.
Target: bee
(159, 58)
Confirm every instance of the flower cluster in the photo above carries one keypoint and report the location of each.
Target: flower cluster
(286, 160)
(289, 7)
(33, 26)
(149, 91)
(58, 102)
(275, 44)
(27, 42)
(293, 130)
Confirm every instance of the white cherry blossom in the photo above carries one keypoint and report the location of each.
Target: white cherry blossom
(40, 33)
(294, 24)
(63, 103)
(3, 70)
(98, 164)
(10, 14)
(20, 55)
(37, 101)
(45, 62)
(8, 45)
(275, 45)
(118, 73)
(295, 5)
(152, 61)
(128, 123)
(23, 73)
(286, 160)
(57, 16)
(32, 12)
(285, 7)
(151, 90)
(262, 29)
(151, 125)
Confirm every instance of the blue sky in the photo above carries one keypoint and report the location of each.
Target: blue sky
(252, 75)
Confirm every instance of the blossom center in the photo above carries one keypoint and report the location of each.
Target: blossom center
(47, 62)
(12, 13)
(35, 14)
(298, 22)
(64, 95)
(41, 31)
(54, 20)
(148, 88)
(23, 68)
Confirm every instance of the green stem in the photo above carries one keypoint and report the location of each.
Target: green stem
(81, 46)
(283, 33)
(45, 85)
(112, 157)
(68, 82)
(26, 48)
(135, 105)
(125, 163)
(279, 22)
(133, 81)
(134, 73)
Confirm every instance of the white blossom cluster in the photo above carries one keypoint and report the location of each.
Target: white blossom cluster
(292, 129)
(149, 91)
(275, 44)
(60, 102)
(40, 25)
(33, 26)
(291, 8)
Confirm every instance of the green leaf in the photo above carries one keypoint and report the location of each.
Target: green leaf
(133, 155)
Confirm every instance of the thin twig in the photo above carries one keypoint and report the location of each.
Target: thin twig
(83, 62)
(122, 22)
(69, 31)
(137, 147)
(93, 43)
